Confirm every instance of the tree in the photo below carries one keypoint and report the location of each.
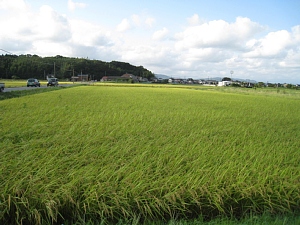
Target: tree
(226, 79)
(260, 84)
(28, 66)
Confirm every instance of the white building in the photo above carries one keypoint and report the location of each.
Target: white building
(224, 83)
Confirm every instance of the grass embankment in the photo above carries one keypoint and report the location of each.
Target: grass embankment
(17, 94)
(110, 153)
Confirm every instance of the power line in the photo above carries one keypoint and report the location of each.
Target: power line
(6, 51)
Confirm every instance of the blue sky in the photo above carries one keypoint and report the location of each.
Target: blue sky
(257, 40)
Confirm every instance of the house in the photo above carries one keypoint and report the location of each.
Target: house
(211, 82)
(142, 79)
(200, 81)
(130, 76)
(190, 81)
(249, 85)
(114, 78)
(176, 81)
(224, 83)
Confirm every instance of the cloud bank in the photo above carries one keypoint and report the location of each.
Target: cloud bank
(196, 49)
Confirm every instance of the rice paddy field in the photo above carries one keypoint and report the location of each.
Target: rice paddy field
(108, 153)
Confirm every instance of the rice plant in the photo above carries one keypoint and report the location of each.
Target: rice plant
(111, 153)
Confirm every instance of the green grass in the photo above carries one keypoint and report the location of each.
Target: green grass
(111, 153)
(13, 83)
(18, 94)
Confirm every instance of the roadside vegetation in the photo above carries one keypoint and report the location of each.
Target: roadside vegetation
(117, 154)
(17, 94)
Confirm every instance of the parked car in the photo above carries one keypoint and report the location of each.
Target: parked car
(2, 85)
(32, 82)
(52, 82)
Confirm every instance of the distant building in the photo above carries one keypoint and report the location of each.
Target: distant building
(124, 78)
(83, 77)
(224, 83)
(114, 78)
(176, 81)
(80, 77)
(211, 82)
(130, 76)
(74, 78)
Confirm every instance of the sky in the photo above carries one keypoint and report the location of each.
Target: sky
(257, 40)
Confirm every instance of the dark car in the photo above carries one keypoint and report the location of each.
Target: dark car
(52, 82)
(2, 85)
(32, 82)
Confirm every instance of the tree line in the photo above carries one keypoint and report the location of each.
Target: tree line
(34, 66)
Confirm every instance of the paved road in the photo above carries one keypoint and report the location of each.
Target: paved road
(28, 88)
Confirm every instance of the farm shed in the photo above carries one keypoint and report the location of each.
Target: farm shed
(83, 77)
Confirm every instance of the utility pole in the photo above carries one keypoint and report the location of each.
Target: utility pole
(54, 69)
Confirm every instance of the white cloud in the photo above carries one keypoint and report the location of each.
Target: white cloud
(14, 19)
(204, 55)
(150, 21)
(291, 60)
(87, 34)
(18, 5)
(218, 33)
(274, 44)
(46, 32)
(136, 20)
(194, 20)
(49, 48)
(296, 34)
(215, 46)
(124, 25)
(29, 27)
(154, 57)
(160, 34)
(73, 5)
(50, 25)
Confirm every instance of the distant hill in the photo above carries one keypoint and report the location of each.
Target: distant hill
(28, 66)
